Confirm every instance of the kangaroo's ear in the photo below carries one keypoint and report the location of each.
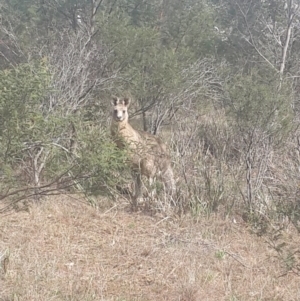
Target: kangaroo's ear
(114, 101)
(126, 101)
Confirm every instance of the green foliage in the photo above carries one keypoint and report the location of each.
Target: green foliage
(21, 91)
(29, 133)
(220, 254)
(256, 103)
(99, 162)
(149, 70)
(189, 29)
(152, 44)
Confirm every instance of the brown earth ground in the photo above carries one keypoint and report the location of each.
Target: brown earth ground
(64, 249)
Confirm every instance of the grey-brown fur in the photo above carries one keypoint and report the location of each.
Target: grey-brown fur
(148, 154)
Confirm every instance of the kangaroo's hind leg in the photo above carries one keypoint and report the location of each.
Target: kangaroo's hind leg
(137, 187)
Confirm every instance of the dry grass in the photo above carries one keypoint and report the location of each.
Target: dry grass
(66, 250)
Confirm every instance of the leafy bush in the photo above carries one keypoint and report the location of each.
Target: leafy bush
(257, 103)
(36, 142)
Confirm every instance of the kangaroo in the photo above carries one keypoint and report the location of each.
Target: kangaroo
(148, 155)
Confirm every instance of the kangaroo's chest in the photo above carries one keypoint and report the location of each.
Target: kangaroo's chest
(126, 136)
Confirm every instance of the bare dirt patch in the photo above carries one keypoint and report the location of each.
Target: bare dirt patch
(67, 250)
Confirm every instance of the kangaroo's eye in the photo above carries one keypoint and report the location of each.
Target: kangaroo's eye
(123, 112)
(116, 111)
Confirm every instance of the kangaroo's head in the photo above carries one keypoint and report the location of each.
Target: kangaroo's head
(120, 109)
